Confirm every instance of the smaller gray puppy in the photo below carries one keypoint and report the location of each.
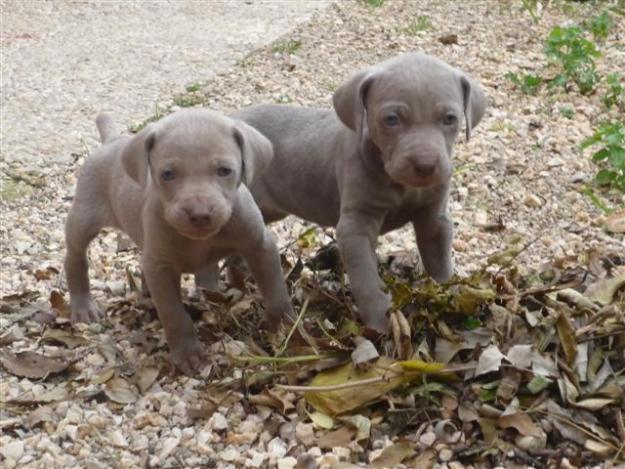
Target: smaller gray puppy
(178, 189)
(383, 162)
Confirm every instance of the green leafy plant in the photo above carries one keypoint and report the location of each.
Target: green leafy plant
(374, 3)
(575, 55)
(599, 25)
(528, 83)
(287, 47)
(422, 23)
(567, 111)
(610, 138)
(615, 95)
(532, 7)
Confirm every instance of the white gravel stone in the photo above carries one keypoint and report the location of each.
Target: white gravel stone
(13, 450)
(218, 422)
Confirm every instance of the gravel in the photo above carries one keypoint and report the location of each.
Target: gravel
(517, 179)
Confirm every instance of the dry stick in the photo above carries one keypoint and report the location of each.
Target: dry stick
(578, 427)
(295, 324)
(377, 379)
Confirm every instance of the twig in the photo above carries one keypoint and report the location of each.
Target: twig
(335, 387)
(578, 427)
(295, 324)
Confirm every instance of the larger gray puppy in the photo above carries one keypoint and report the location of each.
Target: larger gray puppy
(176, 189)
(385, 163)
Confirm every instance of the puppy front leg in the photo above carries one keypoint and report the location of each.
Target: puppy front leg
(164, 284)
(357, 238)
(434, 234)
(264, 264)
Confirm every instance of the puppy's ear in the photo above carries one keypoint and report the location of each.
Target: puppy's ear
(136, 153)
(349, 100)
(474, 103)
(256, 151)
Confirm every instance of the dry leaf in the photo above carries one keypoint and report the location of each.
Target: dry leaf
(275, 398)
(490, 360)
(145, 377)
(521, 422)
(120, 391)
(520, 356)
(341, 437)
(364, 353)
(32, 365)
(567, 338)
(603, 291)
(59, 304)
(393, 455)
(615, 222)
(39, 415)
(321, 420)
(361, 423)
(343, 400)
(66, 338)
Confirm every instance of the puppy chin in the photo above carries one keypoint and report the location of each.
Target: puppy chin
(198, 235)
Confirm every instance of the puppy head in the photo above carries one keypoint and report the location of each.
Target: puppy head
(411, 108)
(195, 160)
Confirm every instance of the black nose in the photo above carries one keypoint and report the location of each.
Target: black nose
(199, 218)
(423, 169)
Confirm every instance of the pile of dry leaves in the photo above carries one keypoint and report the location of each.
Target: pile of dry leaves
(519, 361)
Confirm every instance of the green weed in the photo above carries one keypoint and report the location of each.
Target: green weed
(374, 3)
(609, 137)
(289, 46)
(615, 95)
(422, 23)
(575, 55)
(599, 25)
(528, 84)
(567, 111)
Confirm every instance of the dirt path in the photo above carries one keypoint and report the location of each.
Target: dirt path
(64, 62)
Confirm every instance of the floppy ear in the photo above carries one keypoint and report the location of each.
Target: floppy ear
(256, 151)
(136, 153)
(474, 103)
(349, 100)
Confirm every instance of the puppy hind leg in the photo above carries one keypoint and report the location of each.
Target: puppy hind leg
(79, 232)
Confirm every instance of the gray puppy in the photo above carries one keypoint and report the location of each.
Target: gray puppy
(176, 189)
(383, 162)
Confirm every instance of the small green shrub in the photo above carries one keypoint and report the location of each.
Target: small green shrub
(422, 23)
(615, 95)
(567, 111)
(575, 55)
(287, 47)
(528, 84)
(599, 26)
(374, 3)
(610, 138)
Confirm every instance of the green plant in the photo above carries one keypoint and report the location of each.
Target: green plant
(287, 47)
(599, 25)
(528, 84)
(191, 87)
(616, 92)
(575, 54)
(188, 100)
(567, 111)
(374, 3)
(422, 23)
(610, 137)
(533, 7)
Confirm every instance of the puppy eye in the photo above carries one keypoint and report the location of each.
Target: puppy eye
(223, 171)
(168, 175)
(450, 119)
(391, 120)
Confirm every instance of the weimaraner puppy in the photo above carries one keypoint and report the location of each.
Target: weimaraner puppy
(178, 189)
(383, 162)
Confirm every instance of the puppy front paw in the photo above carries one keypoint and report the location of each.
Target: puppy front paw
(187, 356)
(84, 310)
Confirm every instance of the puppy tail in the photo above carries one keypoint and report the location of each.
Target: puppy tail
(106, 127)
